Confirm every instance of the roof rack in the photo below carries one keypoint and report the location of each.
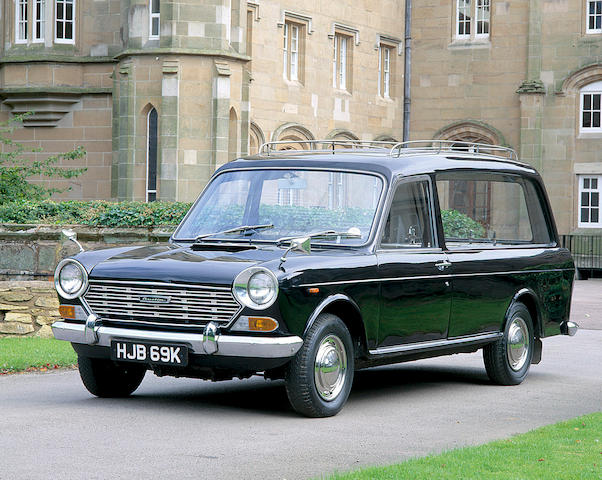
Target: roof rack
(394, 149)
(325, 146)
(447, 146)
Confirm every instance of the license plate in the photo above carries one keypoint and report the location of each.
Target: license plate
(149, 353)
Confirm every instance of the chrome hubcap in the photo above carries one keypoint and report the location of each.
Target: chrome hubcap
(330, 367)
(517, 345)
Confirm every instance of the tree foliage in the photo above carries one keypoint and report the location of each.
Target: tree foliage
(16, 169)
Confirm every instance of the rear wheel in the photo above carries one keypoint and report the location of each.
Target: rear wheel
(507, 361)
(105, 378)
(319, 378)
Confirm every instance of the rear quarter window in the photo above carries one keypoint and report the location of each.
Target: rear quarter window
(488, 209)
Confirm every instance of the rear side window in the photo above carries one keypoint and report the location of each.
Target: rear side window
(490, 209)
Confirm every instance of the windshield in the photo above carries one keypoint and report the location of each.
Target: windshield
(295, 202)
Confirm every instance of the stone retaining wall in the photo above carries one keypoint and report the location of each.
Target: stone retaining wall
(27, 308)
(31, 252)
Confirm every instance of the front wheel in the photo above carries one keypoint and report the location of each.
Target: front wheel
(319, 377)
(507, 361)
(105, 378)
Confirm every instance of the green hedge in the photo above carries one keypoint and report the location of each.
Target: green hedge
(95, 213)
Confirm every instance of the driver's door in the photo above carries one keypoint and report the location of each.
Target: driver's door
(415, 286)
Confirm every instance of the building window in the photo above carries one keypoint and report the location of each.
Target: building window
(21, 18)
(473, 19)
(341, 61)
(291, 51)
(384, 70)
(39, 20)
(154, 19)
(591, 108)
(151, 155)
(64, 21)
(594, 16)
(590, 188)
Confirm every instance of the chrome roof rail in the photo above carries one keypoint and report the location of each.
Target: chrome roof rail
(324, 146)
(452, 146)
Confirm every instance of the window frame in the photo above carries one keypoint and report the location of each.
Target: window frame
(582, 190)
(20, 7)
(41, 20)
(384, 70)
(69, 41)
(589, 15)
(532, 193)
(475, 9)
(341, 61)
(432, 212)
(594, 88)
(151, 16)
(293, 50)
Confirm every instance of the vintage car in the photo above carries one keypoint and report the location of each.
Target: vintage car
(308, 265)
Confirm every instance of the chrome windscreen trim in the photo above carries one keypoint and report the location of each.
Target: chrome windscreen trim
(432, 344)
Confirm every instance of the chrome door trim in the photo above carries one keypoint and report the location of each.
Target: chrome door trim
(437, 344)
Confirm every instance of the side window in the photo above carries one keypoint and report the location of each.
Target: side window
(490, 209)
(409, 222)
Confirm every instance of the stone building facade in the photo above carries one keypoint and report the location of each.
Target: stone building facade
(162, 92)
(524, 73)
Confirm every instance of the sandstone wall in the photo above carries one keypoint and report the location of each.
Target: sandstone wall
(27, 308)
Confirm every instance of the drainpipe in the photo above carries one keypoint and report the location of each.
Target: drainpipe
(407, 70)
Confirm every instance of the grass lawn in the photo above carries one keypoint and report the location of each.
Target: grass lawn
(567, 450)
(32, 353)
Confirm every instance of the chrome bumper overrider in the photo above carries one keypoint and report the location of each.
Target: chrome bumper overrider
(208, 343)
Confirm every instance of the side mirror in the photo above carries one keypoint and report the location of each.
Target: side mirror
(301, 244)
(72, 236)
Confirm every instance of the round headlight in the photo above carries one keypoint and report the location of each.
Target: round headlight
(256, 287)
(70, 279)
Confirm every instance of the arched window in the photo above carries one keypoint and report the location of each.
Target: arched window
(591, 96)
(151, 155)
(256, 138)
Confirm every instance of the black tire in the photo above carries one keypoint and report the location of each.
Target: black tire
(105, 378)
(504, 367)
(329, 337)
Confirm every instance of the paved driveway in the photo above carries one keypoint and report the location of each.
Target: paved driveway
(50, 427)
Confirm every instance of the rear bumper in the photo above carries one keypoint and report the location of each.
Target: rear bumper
(200, 344)
(569, 328)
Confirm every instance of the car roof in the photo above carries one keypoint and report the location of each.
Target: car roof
(382, 161)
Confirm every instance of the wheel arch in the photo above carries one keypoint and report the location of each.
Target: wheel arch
(529, 299)
(348, 311)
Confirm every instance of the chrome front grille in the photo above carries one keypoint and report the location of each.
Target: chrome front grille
(158, 303)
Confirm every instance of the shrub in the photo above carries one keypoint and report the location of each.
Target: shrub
(459, 225)
(16, 169)
(94, 213)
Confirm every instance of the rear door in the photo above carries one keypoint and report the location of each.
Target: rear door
(415, 290)
(497, 242)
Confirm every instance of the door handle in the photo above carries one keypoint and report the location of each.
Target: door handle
(443, 264)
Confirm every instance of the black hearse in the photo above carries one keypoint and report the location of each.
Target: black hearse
(307, 265)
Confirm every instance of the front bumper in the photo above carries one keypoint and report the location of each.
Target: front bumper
(210, 343)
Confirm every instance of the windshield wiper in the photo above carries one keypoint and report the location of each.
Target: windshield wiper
(241, 229)
(324, 234)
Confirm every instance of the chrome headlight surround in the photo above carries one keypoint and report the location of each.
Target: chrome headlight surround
(83, 285)
(246, 278)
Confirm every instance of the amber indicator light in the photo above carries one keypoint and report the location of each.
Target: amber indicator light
(313, 290)
(67, 311)
(262, 324)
